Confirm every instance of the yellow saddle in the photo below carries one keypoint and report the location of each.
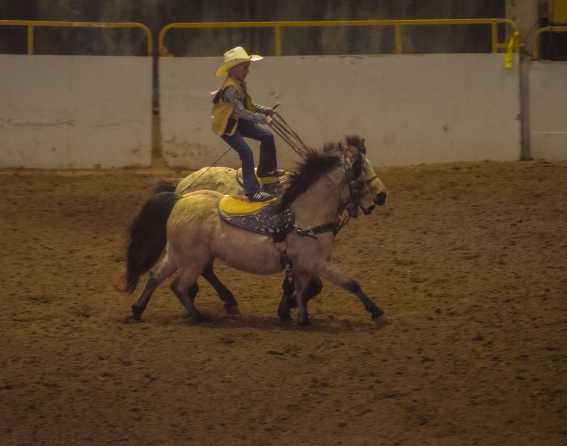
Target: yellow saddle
(238, 205)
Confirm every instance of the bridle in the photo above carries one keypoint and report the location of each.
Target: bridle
(352, 172)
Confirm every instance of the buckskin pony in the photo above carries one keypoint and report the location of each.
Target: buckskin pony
(197, 231)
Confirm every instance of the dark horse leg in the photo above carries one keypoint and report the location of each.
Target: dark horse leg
(302, 281)
(230, 303)
(187, 300)
(141, 304)
(152, 283)
(191, 293)
(289, 301)
(333, 275)
(154, 280)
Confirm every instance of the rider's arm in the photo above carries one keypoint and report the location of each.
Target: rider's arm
(239, 110)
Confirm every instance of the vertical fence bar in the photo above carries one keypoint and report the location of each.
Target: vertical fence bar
(494, 35)
(398, 39)
(535, 49)
(278, 40)
(30, 40)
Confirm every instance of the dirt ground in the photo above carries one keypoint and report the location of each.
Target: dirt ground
(468, 260)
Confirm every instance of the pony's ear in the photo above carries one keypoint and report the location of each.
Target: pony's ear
(351, 150)
(357, 142)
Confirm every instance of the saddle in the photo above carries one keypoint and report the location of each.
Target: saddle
(258, 217)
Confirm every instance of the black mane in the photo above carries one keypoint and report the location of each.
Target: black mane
(315, 165)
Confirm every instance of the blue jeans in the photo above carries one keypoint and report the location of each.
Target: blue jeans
(268, 161)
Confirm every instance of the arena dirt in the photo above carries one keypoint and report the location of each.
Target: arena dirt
(469, 261)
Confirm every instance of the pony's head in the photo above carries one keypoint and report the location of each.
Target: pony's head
(347, 159)
(366, 189)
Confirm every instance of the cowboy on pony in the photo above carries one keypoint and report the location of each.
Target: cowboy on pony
(235, 117)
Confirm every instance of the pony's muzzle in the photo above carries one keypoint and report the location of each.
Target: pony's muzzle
(381, 198)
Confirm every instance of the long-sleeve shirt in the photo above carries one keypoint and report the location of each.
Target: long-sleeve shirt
(240, 111)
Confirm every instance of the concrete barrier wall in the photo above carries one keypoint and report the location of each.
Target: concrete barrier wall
(548, 110)
(410, 108)
(75, 111)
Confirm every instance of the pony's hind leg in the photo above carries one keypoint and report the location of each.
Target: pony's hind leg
(230, 303)
(333, 275)
(191, 293)
(140, 305)
(185, 288)
(166, 269)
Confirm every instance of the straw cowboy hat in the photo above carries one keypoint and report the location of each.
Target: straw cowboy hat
(234, 57)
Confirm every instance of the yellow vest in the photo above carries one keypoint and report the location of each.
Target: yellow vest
(223, 112)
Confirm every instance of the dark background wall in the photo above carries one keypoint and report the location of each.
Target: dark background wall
(157, 13)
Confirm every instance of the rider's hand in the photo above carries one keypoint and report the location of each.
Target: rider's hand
(272, 110)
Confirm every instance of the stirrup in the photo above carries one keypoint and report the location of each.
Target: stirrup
(260, 196)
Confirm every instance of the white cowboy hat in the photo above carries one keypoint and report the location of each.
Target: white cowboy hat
(234, 57)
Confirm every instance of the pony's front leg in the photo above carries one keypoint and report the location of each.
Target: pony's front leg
(301, 282)
(288, 297)
(333, 275)
(289, 301)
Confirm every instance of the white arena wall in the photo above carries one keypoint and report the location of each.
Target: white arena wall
(75, 111)
(410, 108)
(548, 110)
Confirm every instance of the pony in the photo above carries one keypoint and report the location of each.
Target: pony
(194, 234)
(227, 181)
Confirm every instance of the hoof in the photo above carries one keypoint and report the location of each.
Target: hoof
(304, 321)
(199, 318)
(136, 311)
(381, 321)
(376, 313)
(133, 319)
(284, 313)
(232, 310)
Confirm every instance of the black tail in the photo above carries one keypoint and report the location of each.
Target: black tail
(164, 186)
(147, 236)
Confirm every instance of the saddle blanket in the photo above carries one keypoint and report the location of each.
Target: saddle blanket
(258, 217)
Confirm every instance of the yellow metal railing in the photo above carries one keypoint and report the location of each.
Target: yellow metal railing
(397, 24)
(511, 48)
(32, 24)
(546, 29)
